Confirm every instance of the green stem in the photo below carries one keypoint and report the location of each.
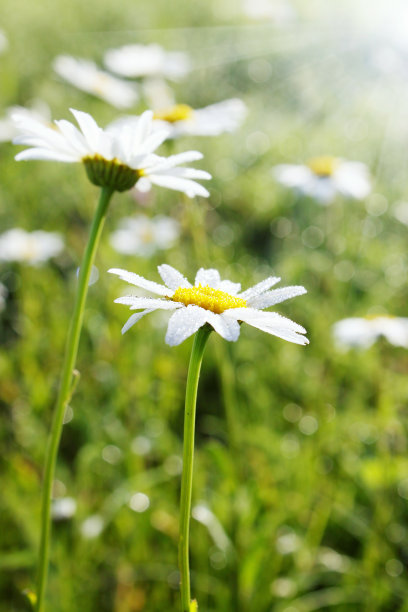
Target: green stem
(65, 391)
(196, 358)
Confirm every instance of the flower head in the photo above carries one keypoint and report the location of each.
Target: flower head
(86, 75)
(182, 120)
(147, 60)
(38, 111)
(219, 303)
(323, 177)
(116, 157)
(143, 236)
(362, 332)
(33, 248)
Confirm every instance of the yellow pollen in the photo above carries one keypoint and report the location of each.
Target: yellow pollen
(323, 166)
(179, 112)
(206, 297)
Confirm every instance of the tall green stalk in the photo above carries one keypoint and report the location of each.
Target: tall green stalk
(197, 351)
(65, 391)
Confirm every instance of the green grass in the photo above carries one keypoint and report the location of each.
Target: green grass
(309, 521)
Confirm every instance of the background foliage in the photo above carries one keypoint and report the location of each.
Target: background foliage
(301, 452)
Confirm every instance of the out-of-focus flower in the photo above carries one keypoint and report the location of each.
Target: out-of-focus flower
(182, 120)
(279, 11)
(63, 508)
(3, 42)
(117, 158)
(362, 332)
(324, 177)
(33, 248)
(3, 296)
(39, 111)
(92, 527)
(147, 60)
(219, 303)
(86, 75)
(143, 236)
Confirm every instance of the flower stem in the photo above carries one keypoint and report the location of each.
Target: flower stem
(196, 358)
(65, 391)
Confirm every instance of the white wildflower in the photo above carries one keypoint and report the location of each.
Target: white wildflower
(362, 332)
(147, 60)
(34, 248)
(143, 236)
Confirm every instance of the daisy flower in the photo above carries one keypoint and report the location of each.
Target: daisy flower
(39, 111)
(323, 177)
(86, 76)
(143, 236)
(220, 303)
(117, 158)
(362, 332)
(34, 248)
(182, 120)
(147, 60)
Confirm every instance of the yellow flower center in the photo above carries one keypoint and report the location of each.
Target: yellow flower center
(179, 112)
(206, 297)
(323, 166)
(372, 317)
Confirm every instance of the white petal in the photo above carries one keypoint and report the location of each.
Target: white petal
(135, 302)
(134, 318)
(209, 277)
(139, 281)
(185, 322)
(45, 155)
(224, 326)
(172, 277)
(229, 287)
(259, 288)
(264, 319)
(190, 188)
(275, 296)
(90, 129)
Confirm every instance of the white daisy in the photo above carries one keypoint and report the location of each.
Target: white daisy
(144, 236)
(33, 248)
(117, 157)
(220, 303)
(86, 75)
(147, 60)
(323, 177)
(182, 120)
(362, 332)
(3, 42)
(39, 111)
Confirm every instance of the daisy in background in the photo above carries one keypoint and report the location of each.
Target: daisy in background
(117, 158)
(220, 303)
(144, 236)
(182, 120)
(147, 60)
(86, 76)
(39, 111)
(34, 248)
(362, 332)
(322, 178)
(3, 42)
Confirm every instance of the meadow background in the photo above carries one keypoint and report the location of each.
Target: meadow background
(301, 472)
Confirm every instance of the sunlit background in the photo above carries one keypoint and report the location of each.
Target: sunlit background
(301, 474)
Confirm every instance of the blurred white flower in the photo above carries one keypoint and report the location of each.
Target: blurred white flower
(92, 527)
(182, 120)
(86, 75)
(3, 42)
(33, 248)
(117, 157)
(278, 11)
(143, 236)
(324, 177)
(362, 332)
(63, 508)
(39, 111)
(219, 303)
(147, 60)
(3, 296)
